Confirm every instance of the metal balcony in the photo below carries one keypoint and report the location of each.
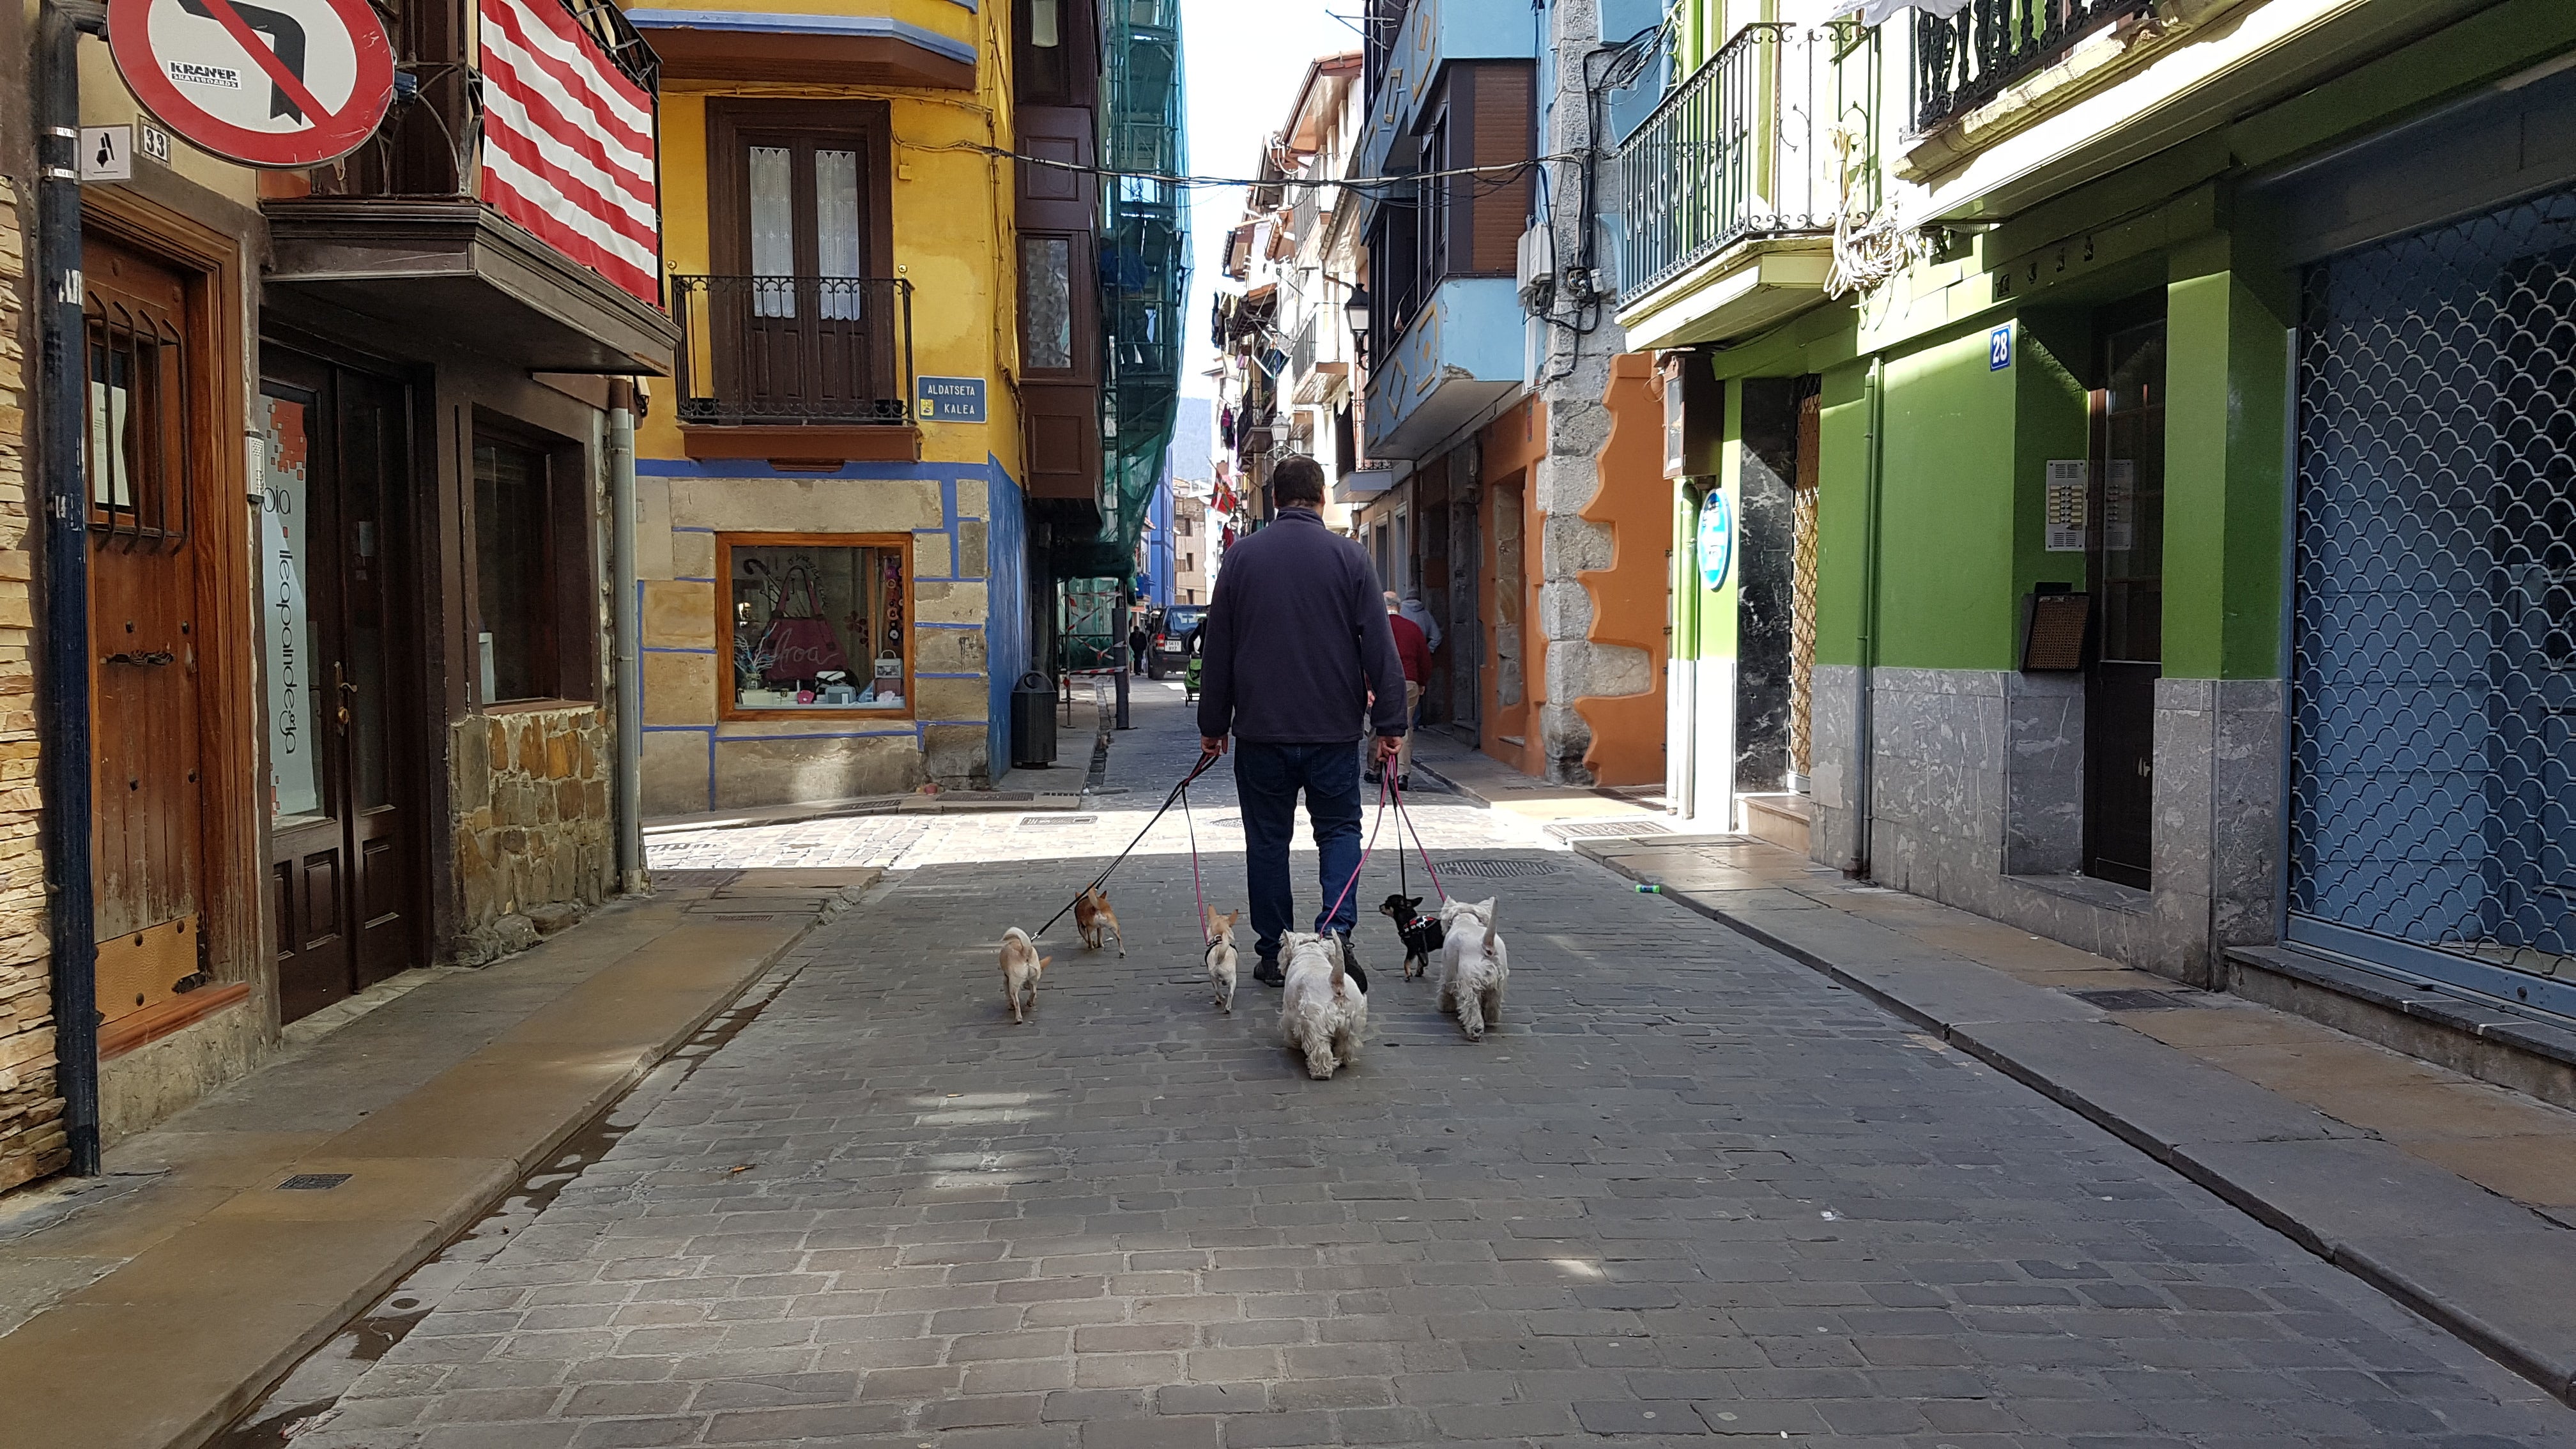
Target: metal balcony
(1967, 60)
(1771, 137)
(788, 351)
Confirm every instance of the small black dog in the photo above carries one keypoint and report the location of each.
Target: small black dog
(1421, 934)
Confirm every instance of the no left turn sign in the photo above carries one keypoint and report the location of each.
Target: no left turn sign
(263, 82)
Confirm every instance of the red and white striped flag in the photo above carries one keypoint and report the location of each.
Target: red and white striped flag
(568, 143)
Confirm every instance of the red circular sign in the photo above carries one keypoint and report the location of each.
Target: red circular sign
(263, 82)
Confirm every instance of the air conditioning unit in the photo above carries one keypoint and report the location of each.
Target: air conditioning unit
(1537, 281)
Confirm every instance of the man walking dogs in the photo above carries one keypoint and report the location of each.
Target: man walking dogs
(1296, 644)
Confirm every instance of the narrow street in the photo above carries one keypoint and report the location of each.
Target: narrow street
(1687, 1189)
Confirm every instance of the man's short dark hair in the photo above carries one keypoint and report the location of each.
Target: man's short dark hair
(1297, 479)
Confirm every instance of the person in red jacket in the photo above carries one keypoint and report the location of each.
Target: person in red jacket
(1415, 653)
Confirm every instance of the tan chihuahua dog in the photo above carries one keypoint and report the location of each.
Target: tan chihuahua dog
(1021, 967)
(1096, 921)
(1221, 957)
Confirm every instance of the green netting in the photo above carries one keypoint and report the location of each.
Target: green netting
(1144, 273)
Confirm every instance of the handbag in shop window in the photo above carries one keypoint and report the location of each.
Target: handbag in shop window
(800, 641)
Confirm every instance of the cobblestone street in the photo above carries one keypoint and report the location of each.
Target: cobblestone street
(1687, 1190)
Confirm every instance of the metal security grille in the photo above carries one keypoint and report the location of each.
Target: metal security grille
(2433, 670)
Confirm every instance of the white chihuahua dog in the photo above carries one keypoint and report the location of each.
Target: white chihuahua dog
(1323, 1012)
(1021, 967)
(1473, 965)
(1221, 957)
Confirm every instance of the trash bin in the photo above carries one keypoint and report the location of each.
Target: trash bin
(1033, 722)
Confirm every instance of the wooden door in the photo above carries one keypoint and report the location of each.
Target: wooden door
(141, 454)
(807, 323)
(345, 862)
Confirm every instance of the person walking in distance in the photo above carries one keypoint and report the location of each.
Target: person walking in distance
(1299, 662)
(1415, 652)
(1138, 641)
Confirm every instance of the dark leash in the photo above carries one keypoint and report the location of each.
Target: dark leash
(1204, 764)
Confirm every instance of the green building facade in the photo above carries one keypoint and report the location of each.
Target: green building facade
(2183, 547)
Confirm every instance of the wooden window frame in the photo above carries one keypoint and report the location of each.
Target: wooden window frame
(569, 619)
(732, 124)
(729, 711)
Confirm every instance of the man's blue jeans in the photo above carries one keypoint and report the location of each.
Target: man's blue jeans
(1266, 781)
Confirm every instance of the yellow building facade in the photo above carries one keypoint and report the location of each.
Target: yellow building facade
(832, 531)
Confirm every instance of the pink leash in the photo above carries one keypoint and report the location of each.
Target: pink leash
(1403, 823)
(1206, 937)
(1365, 850)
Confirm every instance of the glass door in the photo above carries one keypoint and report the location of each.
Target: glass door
(2126, 562)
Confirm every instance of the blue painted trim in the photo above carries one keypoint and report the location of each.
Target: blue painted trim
(693, 578)
(902, 734)
(690, 528)
(874, 27)
(950, 626)
(745, 468)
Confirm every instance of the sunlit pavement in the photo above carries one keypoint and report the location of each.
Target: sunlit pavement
(1686, 1190)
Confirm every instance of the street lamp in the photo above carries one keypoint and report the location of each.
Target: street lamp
(1355, 315)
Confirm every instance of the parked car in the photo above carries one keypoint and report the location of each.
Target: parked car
(1171, 629)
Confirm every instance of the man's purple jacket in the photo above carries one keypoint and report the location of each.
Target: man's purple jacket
(1296, 639)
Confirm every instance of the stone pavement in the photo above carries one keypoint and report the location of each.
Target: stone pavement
(150, 1306)
(1689, 1191)
(2453, 1194)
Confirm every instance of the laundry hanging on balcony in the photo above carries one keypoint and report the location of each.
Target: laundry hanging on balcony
(568, 143)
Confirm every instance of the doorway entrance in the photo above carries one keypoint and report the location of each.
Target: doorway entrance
(143, 457)
(346, 861)
(2126, 566)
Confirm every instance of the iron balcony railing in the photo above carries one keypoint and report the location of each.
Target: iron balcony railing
(1773, 136)
(430, 144)
(1967, 59)
(794, 350)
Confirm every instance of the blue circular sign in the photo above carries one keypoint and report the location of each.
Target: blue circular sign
(1716, 540)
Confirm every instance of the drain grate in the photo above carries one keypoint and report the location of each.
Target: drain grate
(313, 1182)
(1504, 869)
(1051, 822)
(1607, 829)
(2136, 1000)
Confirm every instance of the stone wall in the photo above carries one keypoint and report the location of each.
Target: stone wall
(535, 833)
(962, 573)
(31, 1135)
(1976, 799)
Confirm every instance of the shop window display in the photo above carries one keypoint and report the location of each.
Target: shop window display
(817, 624)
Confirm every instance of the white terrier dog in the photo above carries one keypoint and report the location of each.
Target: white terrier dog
(1221, 957)
(1323, 1011)
(1021, 967)
(1473, 965)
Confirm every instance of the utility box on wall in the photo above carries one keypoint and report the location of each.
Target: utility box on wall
(1694, 414)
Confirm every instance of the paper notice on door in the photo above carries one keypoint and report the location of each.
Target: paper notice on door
(2120, 506)
(285, 550)
(2068, 482)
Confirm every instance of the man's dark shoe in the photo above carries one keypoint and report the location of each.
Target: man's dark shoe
(1267, 972)
(1351, 960)
(1369, 777)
